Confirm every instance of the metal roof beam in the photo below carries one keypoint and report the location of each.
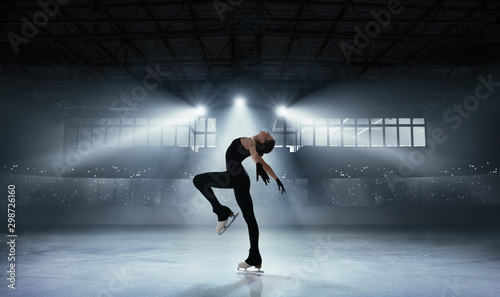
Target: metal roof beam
(242, 31)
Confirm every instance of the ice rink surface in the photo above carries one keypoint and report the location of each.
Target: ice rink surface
(297, 261)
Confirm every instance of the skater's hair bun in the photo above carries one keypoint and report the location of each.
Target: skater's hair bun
(266, 147)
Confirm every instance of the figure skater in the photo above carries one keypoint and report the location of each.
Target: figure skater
(235, 177)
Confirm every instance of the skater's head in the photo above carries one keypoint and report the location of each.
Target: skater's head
(264, 143)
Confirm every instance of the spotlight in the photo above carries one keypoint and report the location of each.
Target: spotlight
(200, 111)
(240, 101)
(281, 111)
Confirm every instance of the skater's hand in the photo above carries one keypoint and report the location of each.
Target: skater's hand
(262, 173)
(280, 186)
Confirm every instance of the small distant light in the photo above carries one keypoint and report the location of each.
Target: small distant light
(240, 101)
(200, 111)
(281, 111)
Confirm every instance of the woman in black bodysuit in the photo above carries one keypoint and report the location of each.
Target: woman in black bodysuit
(235, 177)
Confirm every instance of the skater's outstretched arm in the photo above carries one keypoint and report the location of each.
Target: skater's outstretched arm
(258, 159)
(263, 169)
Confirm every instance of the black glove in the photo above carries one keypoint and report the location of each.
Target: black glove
(262, 173)
(280, 186)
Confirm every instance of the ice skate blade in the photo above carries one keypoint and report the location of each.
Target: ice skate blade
(227, 225)
(246, 271)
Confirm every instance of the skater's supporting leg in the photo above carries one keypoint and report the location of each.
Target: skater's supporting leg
(246, 205)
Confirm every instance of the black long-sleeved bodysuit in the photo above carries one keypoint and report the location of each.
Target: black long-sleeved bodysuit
(235, 177)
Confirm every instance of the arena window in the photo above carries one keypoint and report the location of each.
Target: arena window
(349, 132)
(139, 132)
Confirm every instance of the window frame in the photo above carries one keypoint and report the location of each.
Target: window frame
(341, 125)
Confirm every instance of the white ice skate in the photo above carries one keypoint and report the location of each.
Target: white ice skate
(222, 227)
(243, 268)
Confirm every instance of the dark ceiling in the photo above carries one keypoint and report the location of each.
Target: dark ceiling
(85, 53)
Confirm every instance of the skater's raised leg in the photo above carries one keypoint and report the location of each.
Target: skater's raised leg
(204, 183)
